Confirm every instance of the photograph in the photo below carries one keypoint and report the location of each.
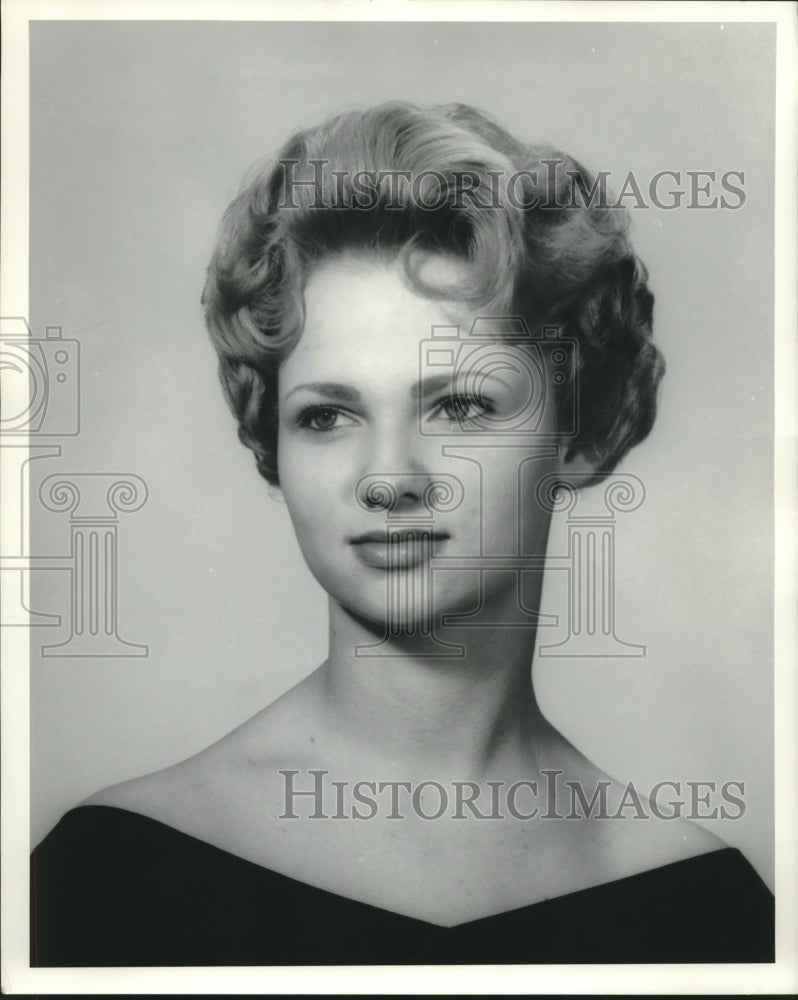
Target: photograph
(390, 485)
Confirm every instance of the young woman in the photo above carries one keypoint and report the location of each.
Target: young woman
(424, 326)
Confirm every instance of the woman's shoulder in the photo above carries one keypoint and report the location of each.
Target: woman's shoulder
(193, 796)
(229, 783)
(166, 791)
(620, 830)
(655, 844)
(644, 841)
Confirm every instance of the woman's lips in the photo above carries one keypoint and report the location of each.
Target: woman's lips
(400, 548)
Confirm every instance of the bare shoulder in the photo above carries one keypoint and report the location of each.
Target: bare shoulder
(626, 831)
(165, 794)
(200, 794)
(640, 836)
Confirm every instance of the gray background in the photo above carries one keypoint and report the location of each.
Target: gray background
(140, 133)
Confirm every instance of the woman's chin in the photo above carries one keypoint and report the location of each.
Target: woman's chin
(407, 616)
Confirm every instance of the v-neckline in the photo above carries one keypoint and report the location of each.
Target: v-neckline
(350, 901)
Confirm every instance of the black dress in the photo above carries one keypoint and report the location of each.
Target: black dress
(112, 887)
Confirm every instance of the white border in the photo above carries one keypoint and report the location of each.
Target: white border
(14, 642)
(679, 11)
(786, 490)
(14, 691)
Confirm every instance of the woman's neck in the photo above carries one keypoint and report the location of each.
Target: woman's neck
(460, 717)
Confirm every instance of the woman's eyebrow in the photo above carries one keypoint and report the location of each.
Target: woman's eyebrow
(333, 390)
(432, 384)
(435, 383)
(348, 394)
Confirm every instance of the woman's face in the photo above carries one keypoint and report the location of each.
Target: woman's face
(386, 430)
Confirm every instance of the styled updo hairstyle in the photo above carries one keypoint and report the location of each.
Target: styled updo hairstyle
(400, 181)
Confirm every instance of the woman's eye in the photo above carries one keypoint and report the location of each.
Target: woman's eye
(462, 409)
(321, 419)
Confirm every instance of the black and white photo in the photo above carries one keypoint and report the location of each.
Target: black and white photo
(391, 496)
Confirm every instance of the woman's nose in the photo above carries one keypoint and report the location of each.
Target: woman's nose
(410, 495)
(396, 474)
(398, 493)
(402, 479)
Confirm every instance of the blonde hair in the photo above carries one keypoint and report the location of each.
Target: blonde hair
(400, 181)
